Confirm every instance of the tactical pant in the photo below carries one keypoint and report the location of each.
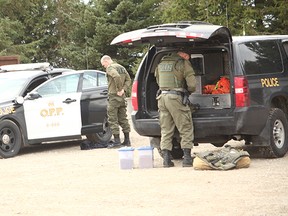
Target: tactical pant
(174, 113)
(117, 114)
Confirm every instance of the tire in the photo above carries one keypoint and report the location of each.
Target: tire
(10, 139)
(102, 137)
(278, 134)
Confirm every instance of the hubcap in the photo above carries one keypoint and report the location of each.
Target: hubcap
(278, 134)
(5, 139)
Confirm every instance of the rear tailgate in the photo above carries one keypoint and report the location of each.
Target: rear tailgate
(174, 33)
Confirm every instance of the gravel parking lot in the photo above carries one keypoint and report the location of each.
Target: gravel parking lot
(61, 179)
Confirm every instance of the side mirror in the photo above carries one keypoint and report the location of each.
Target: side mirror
(33, 96)
(19, 100)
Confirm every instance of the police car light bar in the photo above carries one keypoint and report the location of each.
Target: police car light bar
(20, 67)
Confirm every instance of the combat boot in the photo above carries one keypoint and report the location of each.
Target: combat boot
(187, 161)
(116, 143)
(167, 159)
(126, 140)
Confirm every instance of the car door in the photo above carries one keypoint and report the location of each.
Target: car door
(53, 108)
(93, 99)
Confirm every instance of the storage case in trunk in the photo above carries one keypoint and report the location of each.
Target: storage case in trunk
(205, 101)
(216, 101)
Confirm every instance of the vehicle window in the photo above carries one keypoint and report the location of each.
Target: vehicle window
(197, 63)
(34, 84)
(260, 57)
(93, 79)
(89, 80)
(60, 85)
(285, 44)
(102, 80)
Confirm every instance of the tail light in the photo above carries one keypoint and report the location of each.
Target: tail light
(134, 95)
(241, 92)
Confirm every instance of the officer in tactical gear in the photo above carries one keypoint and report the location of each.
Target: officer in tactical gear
(175, 76)
(118, 83)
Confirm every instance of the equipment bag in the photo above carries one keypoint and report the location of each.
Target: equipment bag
(225, 158)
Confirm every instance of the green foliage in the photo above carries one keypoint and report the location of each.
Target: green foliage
(178, 10)
(69, 33)
(113, 17)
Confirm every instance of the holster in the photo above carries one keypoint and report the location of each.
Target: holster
(186, 101)
(185, 98)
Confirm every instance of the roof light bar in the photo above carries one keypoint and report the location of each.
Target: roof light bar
(19, 67)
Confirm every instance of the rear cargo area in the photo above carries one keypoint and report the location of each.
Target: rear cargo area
(212, 72)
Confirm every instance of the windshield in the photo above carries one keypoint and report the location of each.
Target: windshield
(10, 87)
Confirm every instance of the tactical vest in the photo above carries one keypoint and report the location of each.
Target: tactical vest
(222, 159)
(169, 76)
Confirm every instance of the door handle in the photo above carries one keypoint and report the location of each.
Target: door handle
(69, 100)
(105, 92)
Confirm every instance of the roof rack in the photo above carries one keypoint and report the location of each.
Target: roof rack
(20, 67)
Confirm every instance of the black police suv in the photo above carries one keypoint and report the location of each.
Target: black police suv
(252, 105)
(41, 104)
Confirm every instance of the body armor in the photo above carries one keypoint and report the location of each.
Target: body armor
(169, 77)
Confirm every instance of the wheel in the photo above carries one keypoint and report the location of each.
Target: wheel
(278, 132)
(10, 139)
(102, 137)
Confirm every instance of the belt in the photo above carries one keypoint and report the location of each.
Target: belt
(171, 92)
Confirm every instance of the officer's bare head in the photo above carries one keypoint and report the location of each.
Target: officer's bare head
(106, 61)
(183, 55)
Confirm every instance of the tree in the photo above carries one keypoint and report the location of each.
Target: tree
(113, 17)
(178, 10)
(70, 33)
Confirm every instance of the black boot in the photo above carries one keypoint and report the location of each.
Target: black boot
(167, 159)
(187, 161)
(126, 140)
(116, 143)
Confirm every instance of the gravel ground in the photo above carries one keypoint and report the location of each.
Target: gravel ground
(61, 179)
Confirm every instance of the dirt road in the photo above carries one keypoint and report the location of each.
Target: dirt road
(60, 179)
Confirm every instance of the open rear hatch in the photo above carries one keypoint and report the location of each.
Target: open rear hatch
(175, 33)
(210, 48)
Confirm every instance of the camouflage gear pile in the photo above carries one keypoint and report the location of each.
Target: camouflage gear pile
(222, 159)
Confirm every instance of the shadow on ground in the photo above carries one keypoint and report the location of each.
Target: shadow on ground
(49, 146)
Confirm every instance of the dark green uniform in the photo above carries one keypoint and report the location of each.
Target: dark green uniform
(173, 75)
(118, 79)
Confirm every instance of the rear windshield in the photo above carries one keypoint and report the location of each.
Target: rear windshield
(260, 57)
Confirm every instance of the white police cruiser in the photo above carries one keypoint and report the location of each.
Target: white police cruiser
(38, 104)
